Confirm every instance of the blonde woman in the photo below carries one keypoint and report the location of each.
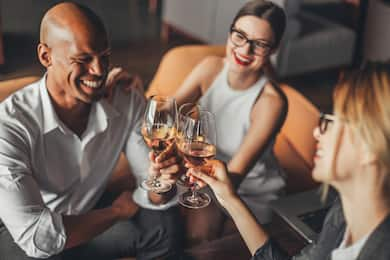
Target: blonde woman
(353, 157)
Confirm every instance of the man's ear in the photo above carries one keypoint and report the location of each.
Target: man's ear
(44, 55)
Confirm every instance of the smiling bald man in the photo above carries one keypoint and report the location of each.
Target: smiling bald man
(60, 140)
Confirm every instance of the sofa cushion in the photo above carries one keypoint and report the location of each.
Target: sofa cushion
(7, 87)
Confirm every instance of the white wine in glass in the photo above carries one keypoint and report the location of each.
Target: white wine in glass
(188, 113)
(198, 146)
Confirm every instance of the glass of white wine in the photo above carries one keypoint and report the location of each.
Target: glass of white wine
(159, 131)
(197, 147)
(188, 112)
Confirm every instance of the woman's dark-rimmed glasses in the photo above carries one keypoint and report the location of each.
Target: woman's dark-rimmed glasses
(239, 39)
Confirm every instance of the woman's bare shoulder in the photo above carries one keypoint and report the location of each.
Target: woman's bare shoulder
(211, 64)
(274, 93)
(271, 97)
(210, 67)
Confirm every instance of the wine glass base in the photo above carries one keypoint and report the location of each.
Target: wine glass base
(156, 186)
(201, 200)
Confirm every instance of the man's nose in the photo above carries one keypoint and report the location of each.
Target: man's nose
(97, 67)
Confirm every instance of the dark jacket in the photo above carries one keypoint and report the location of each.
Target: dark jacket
(376, 247)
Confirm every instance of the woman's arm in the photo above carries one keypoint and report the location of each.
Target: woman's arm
(254, 236)
(198, 81)
(267, 116)
(256, 239)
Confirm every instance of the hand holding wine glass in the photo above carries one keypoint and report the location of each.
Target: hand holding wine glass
(214, 173)
(158, 130)
(166, 165)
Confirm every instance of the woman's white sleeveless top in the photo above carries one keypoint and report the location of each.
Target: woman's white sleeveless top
(232, 110)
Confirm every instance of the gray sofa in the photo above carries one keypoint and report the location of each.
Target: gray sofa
(313, 42)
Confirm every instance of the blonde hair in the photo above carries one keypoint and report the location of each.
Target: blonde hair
(362, 98)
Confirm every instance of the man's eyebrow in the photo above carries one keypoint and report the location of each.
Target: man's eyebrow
(102, 53)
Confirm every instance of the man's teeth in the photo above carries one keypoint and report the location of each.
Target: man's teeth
(92, 84)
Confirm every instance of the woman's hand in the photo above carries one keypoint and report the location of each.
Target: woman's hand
(129, 82)
(214, 173)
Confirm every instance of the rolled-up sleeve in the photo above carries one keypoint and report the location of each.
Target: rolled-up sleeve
(135, 149)
(329, 238)
(37, 230)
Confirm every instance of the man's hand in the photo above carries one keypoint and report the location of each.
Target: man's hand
(124, 206)
(129, 82)
(166, 165)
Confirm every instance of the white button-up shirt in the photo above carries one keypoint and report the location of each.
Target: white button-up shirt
(47, 171)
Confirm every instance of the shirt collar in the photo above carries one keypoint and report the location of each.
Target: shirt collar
(50, 119)
(100, 110)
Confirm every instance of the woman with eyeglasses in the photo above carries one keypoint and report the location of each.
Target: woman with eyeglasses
(352, 156)
(249, 109)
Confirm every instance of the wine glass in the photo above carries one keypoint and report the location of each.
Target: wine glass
(159, 130)
(187, 113)
(198, 146)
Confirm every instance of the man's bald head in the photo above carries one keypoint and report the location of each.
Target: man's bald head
(65, 20)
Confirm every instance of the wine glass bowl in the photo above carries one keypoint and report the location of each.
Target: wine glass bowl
(187, 115)
(158, 136)
(197, 146)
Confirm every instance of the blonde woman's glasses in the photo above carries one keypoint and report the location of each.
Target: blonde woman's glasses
(324, 122)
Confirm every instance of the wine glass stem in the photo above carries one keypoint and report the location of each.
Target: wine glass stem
(155, 178)
(155, 181)
(194, 191)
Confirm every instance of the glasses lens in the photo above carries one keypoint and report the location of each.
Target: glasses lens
(238, 38)
(324, 122)
(261, 49)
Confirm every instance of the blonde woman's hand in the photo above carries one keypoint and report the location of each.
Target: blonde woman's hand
(214, 173)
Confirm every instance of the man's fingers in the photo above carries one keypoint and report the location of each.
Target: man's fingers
(168, 181)
(168, 152)
(153, 171)
(152, 156)
(174, 169)
(167, 163)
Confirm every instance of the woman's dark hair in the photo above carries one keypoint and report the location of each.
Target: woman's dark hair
(268, 11)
